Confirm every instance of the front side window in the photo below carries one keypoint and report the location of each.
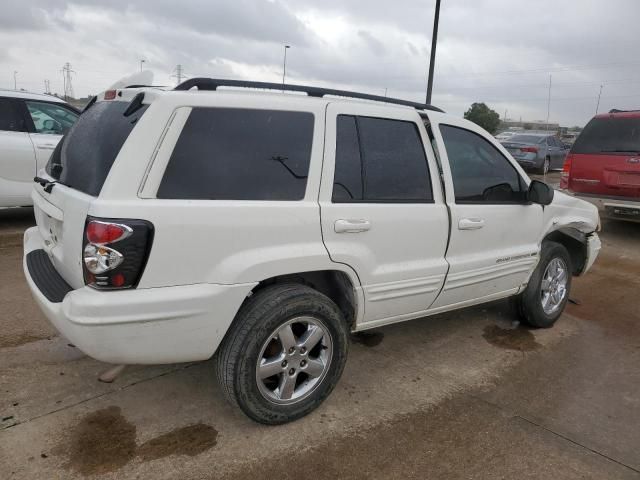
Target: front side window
(380, 160)
(11, 120)
(51, 118)
(240, 154)
(481, 174)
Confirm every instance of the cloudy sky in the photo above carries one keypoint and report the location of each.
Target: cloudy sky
(496, 51)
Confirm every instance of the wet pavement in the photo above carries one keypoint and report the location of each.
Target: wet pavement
(461, 395)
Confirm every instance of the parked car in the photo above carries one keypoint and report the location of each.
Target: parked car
(539, 151)
(603, 166)
(30, 127)
(265, 227)
(505, 135)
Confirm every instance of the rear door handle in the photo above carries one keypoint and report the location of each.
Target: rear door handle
(351, 225)
(470, 223)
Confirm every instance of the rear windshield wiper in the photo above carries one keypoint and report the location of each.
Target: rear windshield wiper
(47, 184)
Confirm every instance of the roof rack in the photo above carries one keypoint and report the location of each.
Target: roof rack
(615, 110)
(214, 83)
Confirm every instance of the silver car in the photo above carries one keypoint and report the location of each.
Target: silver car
(539, 151)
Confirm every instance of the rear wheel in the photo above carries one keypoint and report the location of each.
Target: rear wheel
(547, 293)
(546, 166)
(284, 353)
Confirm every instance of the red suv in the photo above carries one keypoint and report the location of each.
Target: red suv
(603, 166)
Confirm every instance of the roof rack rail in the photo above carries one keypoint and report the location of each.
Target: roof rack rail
(615, 110)
(213, 84)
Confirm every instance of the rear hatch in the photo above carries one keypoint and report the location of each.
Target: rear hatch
(605, 159)
(77, 169)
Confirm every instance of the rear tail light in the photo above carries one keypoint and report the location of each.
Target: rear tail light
(566, 173)
(110, 94)
(115, 252)
(529, 149)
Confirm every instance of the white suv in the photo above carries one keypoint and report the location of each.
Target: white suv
(265, 227)
(31, 125)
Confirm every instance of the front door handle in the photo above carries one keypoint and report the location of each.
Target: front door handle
(470, 223)
(351, 225)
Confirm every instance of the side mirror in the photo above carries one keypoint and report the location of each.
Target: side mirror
(540, 192)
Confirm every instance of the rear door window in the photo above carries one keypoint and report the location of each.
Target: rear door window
(51, 118)
(609, 135)
(380, 161)
(240, 154)
(11, 118)
(83, 158)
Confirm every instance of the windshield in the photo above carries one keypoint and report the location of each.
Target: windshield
(83, 158)
(526, 139)
(609, 135)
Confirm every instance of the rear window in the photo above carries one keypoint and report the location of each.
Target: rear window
(609, 135)
(240, 154)
(83, 158)
(526, 139)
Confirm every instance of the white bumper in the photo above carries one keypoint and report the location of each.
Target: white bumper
(142, 326)
(593, 248)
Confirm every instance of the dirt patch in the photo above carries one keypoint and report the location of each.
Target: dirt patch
(105, 441)
(191, 440)
(368, 339)
(7, 341)
(102, 442)
(512, 339)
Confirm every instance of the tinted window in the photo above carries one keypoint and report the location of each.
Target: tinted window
(11, 118)
(83, 159)
(50, 117)
(481, 174)
(380, 160)
(240, 154)
(609, 135)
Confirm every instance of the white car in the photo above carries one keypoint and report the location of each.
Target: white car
(265, 227)
(30, 127)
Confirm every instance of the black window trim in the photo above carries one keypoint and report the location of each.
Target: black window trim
(363, 167)
(521, 181)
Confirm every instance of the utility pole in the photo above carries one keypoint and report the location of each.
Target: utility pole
(66, 76)
(47, 87)
(385, 91)
(599, 94)
(284, 63)
(15, 80)
(142, 60)
(179, 73)
(432, 60)
(548, 104)
(505, 115)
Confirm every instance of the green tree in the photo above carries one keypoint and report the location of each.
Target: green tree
(482, 115)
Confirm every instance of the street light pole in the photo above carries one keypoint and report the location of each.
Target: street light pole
(142, 60)
(598, 104)
(15, 81)
(432, 60)
(284, 63)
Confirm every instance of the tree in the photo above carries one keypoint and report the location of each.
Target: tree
(482, 115)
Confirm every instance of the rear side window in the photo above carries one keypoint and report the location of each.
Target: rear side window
(380, 160)
(609, 135)
(481, 174)
(50, 117)
(11, 119)
(240, 154)
(83, 159)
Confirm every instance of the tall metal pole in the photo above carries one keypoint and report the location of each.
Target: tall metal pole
(598, 104)
(284, 63)
(142, 60)
(15, 80)
(432, 60)
(548, 104)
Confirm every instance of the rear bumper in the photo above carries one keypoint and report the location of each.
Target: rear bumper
(139, 326)
(617, 208)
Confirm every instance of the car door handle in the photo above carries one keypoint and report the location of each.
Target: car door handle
(351, 225)
(47, 146)
(470, 223)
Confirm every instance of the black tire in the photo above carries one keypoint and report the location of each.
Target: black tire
(545, 167)
(529, 302)
(260, 316)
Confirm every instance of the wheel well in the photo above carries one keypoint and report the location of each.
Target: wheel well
(334, 284)
(574, 241)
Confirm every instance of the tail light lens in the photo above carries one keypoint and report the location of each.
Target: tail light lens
(115, 252)
(529, 149)
(566, 173)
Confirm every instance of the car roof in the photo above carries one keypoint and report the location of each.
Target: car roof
(536, 134)
(30, 96)
(619, 114)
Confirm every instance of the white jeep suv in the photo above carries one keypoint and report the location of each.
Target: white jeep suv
(265, 227)
(31, 125)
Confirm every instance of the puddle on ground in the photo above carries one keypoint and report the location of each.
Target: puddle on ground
(512, 339)
(104, 441)
(368, 339)
(191, 440)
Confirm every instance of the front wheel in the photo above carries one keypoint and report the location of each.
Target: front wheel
(284, 353)
(547, 293)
